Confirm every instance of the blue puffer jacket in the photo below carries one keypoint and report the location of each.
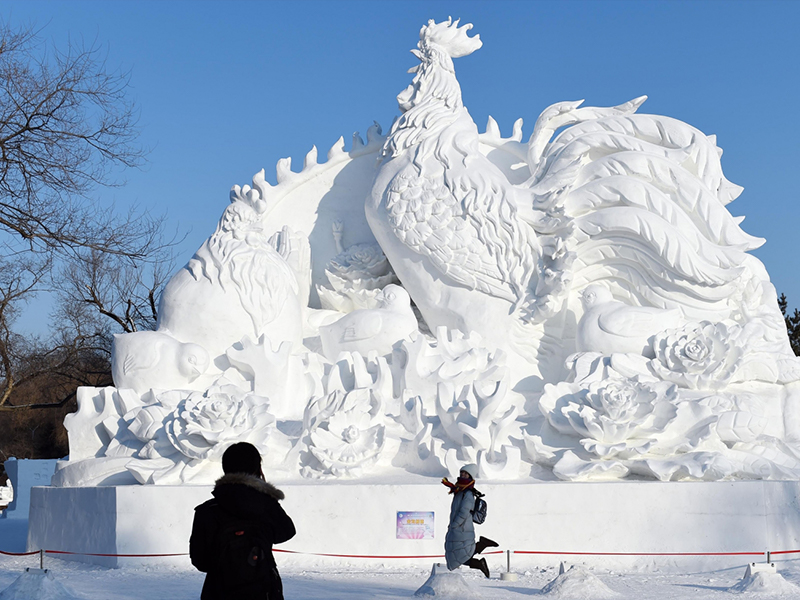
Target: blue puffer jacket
(459, 544)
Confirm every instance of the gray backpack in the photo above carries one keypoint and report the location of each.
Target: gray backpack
(479, 511)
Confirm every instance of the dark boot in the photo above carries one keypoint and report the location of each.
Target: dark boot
(480, 564)
(484, 543)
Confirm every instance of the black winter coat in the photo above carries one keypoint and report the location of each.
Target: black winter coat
(239, 497)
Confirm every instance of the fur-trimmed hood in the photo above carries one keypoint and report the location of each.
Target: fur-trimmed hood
(258, 484)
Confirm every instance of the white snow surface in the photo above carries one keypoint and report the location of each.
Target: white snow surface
(446, 584)
(36, 584)
(580, 584)
(392, 582)
(771, 584)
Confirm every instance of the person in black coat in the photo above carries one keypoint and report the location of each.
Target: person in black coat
(233, 533)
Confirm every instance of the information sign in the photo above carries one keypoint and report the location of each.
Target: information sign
(415, 525)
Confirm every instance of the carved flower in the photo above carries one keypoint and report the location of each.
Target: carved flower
(453, 358)
(347, 434)
(612, 417)
(204, 419)
(147, 422)
(699, 355)
(361, 261)
(357, 275)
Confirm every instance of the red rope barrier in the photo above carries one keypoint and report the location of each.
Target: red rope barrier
(355, 555)
(114, 555)
(647, 553)
(371, 555)
(380, 556)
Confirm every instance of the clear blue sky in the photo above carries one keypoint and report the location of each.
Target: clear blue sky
(226, 88)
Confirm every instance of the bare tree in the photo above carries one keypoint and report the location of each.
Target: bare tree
(114, 288)
(98, 294)
(18, 280)
(67, 128)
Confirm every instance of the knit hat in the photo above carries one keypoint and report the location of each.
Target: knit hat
(472, 469)
(242, 458)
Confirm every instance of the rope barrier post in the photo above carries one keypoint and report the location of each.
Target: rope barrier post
(768, 556)
(508, 575)
(41, 559)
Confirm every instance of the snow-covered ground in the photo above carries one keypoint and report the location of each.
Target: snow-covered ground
(359, 583)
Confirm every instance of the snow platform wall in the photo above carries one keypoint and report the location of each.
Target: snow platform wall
(24, 474)
(357, 523)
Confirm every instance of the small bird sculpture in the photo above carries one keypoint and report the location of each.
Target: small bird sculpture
(144, 360)
(371, 329)
(609, 326)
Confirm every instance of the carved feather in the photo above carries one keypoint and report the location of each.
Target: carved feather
(662, 131)
(682, 187)
(453, 228)
(670, 244)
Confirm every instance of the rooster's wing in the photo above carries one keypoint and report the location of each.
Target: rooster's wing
(469, 233)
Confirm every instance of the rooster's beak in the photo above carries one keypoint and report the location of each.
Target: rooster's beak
(418, 54)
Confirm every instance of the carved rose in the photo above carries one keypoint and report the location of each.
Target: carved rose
(699, 355)
(204, 419)
(348, 435)
(612, 417)
(357, 276)
(362, 261)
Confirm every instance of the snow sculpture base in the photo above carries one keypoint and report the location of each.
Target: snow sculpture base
(360, 519)
(766, 584)
(446, 584)
(577, 582)
(37, 583)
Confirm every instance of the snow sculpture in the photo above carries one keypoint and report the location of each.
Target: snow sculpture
(356, 275)
(608, 326)
(580, 306)
(371, 329)
(146, 359)
(237, 284)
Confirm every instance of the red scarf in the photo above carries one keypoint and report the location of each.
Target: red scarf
(460, 485)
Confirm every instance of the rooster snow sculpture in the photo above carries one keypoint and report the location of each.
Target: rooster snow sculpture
(586, 304)
(446, 217)
(635, 201)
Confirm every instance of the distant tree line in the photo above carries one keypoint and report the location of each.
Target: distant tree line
(792, 324)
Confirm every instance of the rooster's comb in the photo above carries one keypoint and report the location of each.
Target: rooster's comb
(450, 36)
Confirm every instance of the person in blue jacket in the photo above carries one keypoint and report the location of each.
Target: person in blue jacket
(460, 547)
